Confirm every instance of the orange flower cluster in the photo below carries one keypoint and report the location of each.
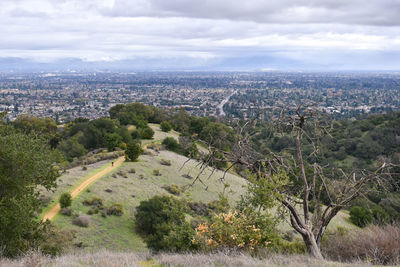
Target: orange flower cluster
(231, 230)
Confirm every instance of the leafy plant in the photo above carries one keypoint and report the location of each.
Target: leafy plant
(173, 189)
(161, 220)
(133, 151)
(65, 200)
(165, 126)
(361, 216)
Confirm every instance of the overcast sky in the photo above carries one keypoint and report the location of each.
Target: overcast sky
(254, 34)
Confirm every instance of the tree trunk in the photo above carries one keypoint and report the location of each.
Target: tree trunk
(312, 246)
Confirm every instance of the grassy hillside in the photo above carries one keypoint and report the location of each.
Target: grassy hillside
(129, 187)
(117, 232)
(71, 178)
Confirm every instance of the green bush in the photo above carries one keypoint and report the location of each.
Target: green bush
(65, 200)
(173, 189)
(95, 201)
(161, 221)
(171, 144)
(288, 247)
(115, 209)
(133, 151)
(361, 216)
(57, 241)
(147, 133)
(165, 126)
(156, 172)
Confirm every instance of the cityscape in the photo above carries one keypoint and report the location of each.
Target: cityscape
(69, 95)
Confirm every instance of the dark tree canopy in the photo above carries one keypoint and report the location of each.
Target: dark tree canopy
(26, 163)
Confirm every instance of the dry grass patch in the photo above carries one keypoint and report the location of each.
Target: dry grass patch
(124, 259)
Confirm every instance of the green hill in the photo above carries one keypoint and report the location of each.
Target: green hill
(136, 181)
(117, 232)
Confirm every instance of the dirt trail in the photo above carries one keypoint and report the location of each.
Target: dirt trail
(54, 210)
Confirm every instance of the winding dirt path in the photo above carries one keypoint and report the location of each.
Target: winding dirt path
(54, 210)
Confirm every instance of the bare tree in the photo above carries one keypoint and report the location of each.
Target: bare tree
(313, 181)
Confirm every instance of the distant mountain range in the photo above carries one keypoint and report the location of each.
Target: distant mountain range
(355, 61)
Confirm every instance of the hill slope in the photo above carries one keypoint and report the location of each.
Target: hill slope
(129, 188)
(117, 233)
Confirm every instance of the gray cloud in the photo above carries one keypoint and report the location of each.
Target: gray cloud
(372, 12)
(202, 32)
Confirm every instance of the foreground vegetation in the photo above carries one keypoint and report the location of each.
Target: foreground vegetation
(194, 199)
(129, 259)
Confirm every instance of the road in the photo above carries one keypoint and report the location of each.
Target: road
(56, 209)
(221, 105)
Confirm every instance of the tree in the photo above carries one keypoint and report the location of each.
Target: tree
(165, 126)
(161, 220)
(133, 151)
(314, 181)
(326, 191)
(112, 140)
(26, 164)
(71, 147)
(146, 132)
(218, 135)
(28, 123)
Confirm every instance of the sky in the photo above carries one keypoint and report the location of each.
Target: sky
(203, 34)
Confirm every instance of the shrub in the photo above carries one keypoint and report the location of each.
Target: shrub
(187, 176)
(379, 245)
(44, 201)
(115, 209)
(147, 133)
(165, 162)
(123, 174)
(156, 172)
(165, 126)
(159, 220)
(93, 210)
(95, 201)
(288, 247)
(235, 230)
(65, 200)
(82, 220)
(192, 151)
(84, 168)
(171, 144)
(104, 212)
(66, 212)
(220, 205)
(133, 151)
(360, 216)
(132, 170)
(173, 189)
(57, 241)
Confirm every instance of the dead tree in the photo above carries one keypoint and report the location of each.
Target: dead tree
(340, 188)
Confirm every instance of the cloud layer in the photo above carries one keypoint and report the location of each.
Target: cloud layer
(341, 33)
